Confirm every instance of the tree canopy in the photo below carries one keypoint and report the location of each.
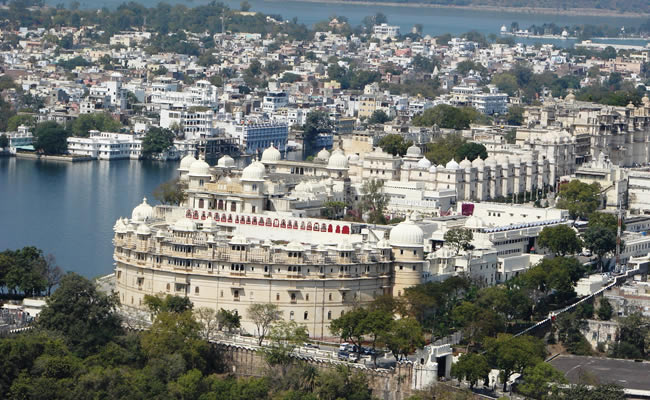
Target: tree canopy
(50, 138)
(560, 239)
(394, 144)
(581, 199)
(156, 141)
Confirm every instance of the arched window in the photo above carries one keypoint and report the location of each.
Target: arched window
(338, 229)
(196, 215)
(293, 297)
(302, 226)
(283, 224)
(233, 206)
(201, 203)
(291, 315)
(330, 296)
(236, 293)
(168, 287)
(329, 228)
(276, 223)
(188, 214)
(269, 222)
(345, 230)
(329, 315)
(306, 316)
(236, 219)
(254, 220)
(230, 218)
(316, 227)
(203, 215)
(196, 290)
(220, 205)
(248, 220)
(308, 226)
(295, 224)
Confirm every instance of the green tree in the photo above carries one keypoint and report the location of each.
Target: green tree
(444, 149)
(332, 209)
(633, 339)
(20, 119)
(374, 200)
(541, 380)
(102, 122)
(471, 367)
(156, 141)
(4, 141)
(513, 354)
(351, 326)
(601, 241)
(378, 117)
(245, 6)
(285, 336)
(394, 144)
(50, 138)
(170, 193)
(84, 316)
(263, 315)
(445, 116)
(228, 320)
(561, 240)
(515, 116)
(581, 199)
(316, 123)
(605, 310)
(597, 392)
(459, 238)
(342, 382)
(471, 151)
(404, 336)
(174, 304)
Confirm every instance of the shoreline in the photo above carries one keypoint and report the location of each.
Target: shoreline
(591, 12)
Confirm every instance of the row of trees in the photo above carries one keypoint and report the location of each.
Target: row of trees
(28, 272)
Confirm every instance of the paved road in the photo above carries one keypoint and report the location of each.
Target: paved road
(626, 373)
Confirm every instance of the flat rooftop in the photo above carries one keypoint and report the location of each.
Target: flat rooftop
(626, 373)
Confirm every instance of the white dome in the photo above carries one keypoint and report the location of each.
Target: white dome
(413, 151)
(502, 160)
(271, 154)
(407, 234)
(226, 162)
(199, 168)
(433, 169)
(323, 155)
(478, 163)
(516, 160)
(239, 239)
(119, 226)
(383, 244)
(295, 246)
(452, 165)
(143, 230)
(503, 28)
(474, 222)
(186, 162)
(184, 225)
(424, 163)
(491, 161)
(353, 157)
(254, 172)
(444, 252)
(465, 164)
(528, 158)
(142, 212)
(344, 246)
(209, 225)
(338, 160)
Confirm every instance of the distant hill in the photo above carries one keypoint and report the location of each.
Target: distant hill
(628, 6)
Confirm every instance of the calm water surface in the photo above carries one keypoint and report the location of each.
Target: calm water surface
(69, 209)
(435, 21)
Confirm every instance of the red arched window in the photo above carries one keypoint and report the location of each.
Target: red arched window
(346, 230)
(242, 220)
(276, 223)
(196, 215)
(308, 226)
(216, 216)
(229, 217)
(254, 220)
(295, 224)
(210, 214)
(236, 219)
(338, 229)
(283, 224)
(203, 215)
(269, 222)
(188, 214)
(316, 228)
(329, 228)
(302, 226)
(248, 220)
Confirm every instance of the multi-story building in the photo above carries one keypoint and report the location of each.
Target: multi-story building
(385, 31)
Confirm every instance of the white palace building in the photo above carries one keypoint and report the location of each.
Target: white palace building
(252, 236)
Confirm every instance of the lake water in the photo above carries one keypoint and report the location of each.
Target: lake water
(69, 209)
(435, 21)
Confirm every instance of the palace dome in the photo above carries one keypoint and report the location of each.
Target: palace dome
(200, 168)
(186, 162)
(413, 151)
(424, 163)
(478, 163)
(407, 234)
(452, 164)
(323, 155)
(474, 222)
(184, 225)
(433, 169)
(466, 164)
(142, 212)
(226, 162)
(271, 154)
(143, 229)
(338, 160)
(254, 172)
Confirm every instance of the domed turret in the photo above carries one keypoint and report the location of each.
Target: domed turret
(323, 155)
(466, 164)
(253, 172)
(186, 162)
(353, 158)
(413, 151)
(491, 162)
(226, 162)
(433, 169)
(452, 165)
(142, 212)
(143, 229)
(337, 160)
(474, 222)
(199, 168)
(184, 225)
(271, 155)
(424, 163)
(407, 234)
(478, 163)
(646, 101)
(503, 160)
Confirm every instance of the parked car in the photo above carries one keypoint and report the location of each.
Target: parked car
(311, 345)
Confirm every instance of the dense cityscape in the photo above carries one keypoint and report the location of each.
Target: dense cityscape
(331, 211)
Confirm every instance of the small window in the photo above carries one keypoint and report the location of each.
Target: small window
(306, 316)
(277, 296)
(330, 296)
(196, 290)
(307, 297)
(168, 287)
(291, 315)
(329, 315)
